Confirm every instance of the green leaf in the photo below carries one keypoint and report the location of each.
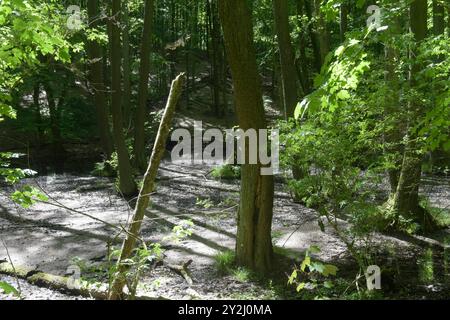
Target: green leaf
(306, 263)
(343, 95)
(292, 277)
(317, 266)
(301, 286)
(330, 269)
(298, 111)
(8, 289)
(360, 3)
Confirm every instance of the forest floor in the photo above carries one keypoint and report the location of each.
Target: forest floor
(51, 239)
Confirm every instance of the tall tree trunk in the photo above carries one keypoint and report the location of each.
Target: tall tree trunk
(37, 107)
(94, 52)
(289, 79)
(438, 18)
(406, 198)
(215, 47)
(343, 23)
(144, 70)
(448, 21)
(127, 186)
(322, 31)
(302, 61)
(396, 128)
(313, 35)
(126, 100)
(58, 148)
(253, 243)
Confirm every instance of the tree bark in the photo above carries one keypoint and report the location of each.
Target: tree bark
(253, 243)
(438, 18)
(94, 52)
(127, 185)
(126, 100)
(406, 198)
(314, 36)
(147, 188)
(396, 128)
(289, 80)
(36, 104)
(322, 32)
(58, 148)
(144, 70)
(302, 61)
(343, 24)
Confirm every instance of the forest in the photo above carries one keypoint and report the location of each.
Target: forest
(225, 150)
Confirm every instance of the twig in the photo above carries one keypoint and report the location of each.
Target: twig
(12, 265)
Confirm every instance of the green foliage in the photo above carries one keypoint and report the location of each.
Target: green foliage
(226, 172)
(142, 259)
(182, 231)
(205, 203)
(224, 262)
(426, 269)
(28, 196)
(104, 169)
(441, 215)
(241, 274)
(12, 175)
(313, 275)
(8, 289)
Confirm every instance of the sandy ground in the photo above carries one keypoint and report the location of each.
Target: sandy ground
(48, 238)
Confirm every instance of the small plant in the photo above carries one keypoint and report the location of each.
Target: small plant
(228, 202)
(28, 196)
(312, 275)
(241, 274)
(426, 269)
(103, 169)
(8, 289)
(226, 172)
(224, 262)
(181, 231)
(204, 203)
(144, 256)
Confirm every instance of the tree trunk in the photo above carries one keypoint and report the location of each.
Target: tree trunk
(144, 69)
(322, 32)
(58, 148)
(302, 61)
(406, 198)
(126, 100)
(127, 186)
(36, 104)
(94, 52)
(289, 79)
(393, 136)
(215, 47)
(313, 35)
(343, 24)
(253, 243)
(438, 18)
(147, 188)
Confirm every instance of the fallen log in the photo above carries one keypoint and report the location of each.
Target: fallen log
(16, 271)
(67, 285)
